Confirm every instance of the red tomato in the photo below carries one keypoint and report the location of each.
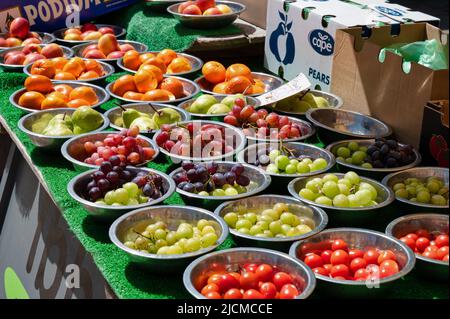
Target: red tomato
(313, 261)
(236, 275)
(412, 236)
(288, 291)
(213, 295)
(339, 257)
(226, 282)
(326, 255)
(357, 264)
(430, 254)
(321, 271)
(208, 288)
(339, 244)
(361, 274)
(423, 233)
(253, 294)
(411, 243)
(442, 252)
(328, 267)
(280, 279)
(386, 255)
(248, 280)
(441, 240)
(445, 258)
(264, 272)
(371, 256)
(250, 267)
(214, 279)
(432, 248)
(268, 290)
(388, 268)
(340, 271)
(355, 253)
(422, 243)
(233, 293)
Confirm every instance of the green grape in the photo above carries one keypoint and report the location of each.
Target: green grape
(358, 157)
(285, 228)
(100, 202)
(443, 191)
(433, 186)
(143, 199)
(132, 202)
(293, 232)
(184, 231)
(218, 192)
(160, 234)
(231, 191)
(141, 242)
(262, 235)
(353, 201)
(171, 238)
(117, 204)
(303, 229)
(262, 218)
(330, 178)
(308, 194)
(438, 200)
(352, 177)
(411, 191)
(255, 229)
(275, 227)
(121, 196)
(163, 251)
(423, 197)
(302, 168)
(130, 244)
(401, 193)
(291, 169)
(202, 223)
(345, 182)
(193, 244)
(319, 164)
(251, 217)
(209, 239)
(366, 165)
(243, 223)
(307, 161)
(160, 243)
(132, 189)
(413, 199)
(398, 186)
(244, 231)
(341, 201)
(273, 155)
(271, 213)
(364, 196)
(323, 200)
(353, 146)
(109, 198)
(287, 218)
(281, 207)
(162, 225)
(174, 250)
(340, 159)
(231, 219)
(282, 161)
(343, 189)
(362, 149)
(263, 224)
(330, 189)
(268, 233)
(343, 152)
(203, 193)
(272, 168)
(296, 221)
(370, 188)
(226, 186)
(349, 160)
(240, 189)
(294, 162)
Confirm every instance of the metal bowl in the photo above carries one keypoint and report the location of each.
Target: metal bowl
(172, 216)
(46, 39)
(359, 239)
(186, 104)
(119, 32)
(139, 47)
(197, 272)
(421, 173)
(250, 153)
(337, 124)
(195, 62)
(68, 53)
(102, 95)
(46, 141)
(105, 212)
(272, 82)
(191, 89)
(209, 21)
(116, 113)
(73, 149)
(107, 68)
(255, 174)
(334, 101)
(371, 172)
(231, 132)
(431, 268)
(348, 215)
(261, 202)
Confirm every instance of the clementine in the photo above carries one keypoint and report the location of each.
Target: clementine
(61, 75)
(179, 65)
(214, 72)
(130, 95)
(167, 55)
(39, 83)
(145, 56)
(59, 62)
(157, 72)
(238, 69)
(174, 86)
(84, 92)
(77, 103)
(158, 95)
(123, 84)
(58, 95)
(43, 67)
(88, 75)
(92, 65)
(53, 102)
(74, 66)
(158, 62)
(145, 81)
(239, 84)
(221, 88)
(32, 100)
(64, 89)
(131, 60)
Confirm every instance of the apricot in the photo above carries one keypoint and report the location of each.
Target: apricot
(115, 55)
(89, 48)
(84, 92)
(105, 30)
(179, 65)
(59, 62)
(184, 5)
(221, 88)
(158, 62)
(108, 43)
(130, 95)
(72, 31)
(212, 11)
(33, 57)
(123, 84)
(44, 67)
(73, 37)
(167, 55)
(214, 72)
(192, 10)
(131, 60)
(126, 47)
(13, 42)
(158, 95)
(94, 54)
(77, 103)
(75, 67)
(157, 72)
(31, 41)
(38, 83)
(239, 84)
(145, 56)
(88, 75)
(94, 35)
(145, 81)
(53, 102)
(32, 100)
(64, 76)
(238, 69)
(52, 50)
(64, 89)
(174, 86)
(92, 65)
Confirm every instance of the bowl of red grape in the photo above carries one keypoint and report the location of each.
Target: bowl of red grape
(90, 150)
(209, 184)
(114, 188)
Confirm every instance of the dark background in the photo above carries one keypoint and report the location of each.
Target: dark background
(437, 8)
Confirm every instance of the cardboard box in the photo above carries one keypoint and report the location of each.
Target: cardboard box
(49, 15)
(256, 12)
(298, 41)
(383, 89)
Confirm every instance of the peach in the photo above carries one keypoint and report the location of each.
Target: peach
(192, 10)
(91, 35)
(212, 11)
(73, 37)
(16, 59)
(19, 28)
(31, 41)
(224, 8)
(34, 34)
(89, 48)
(52, 50)
(108, 43)
(115, 55)
(106, 30)
(94, 54)
(31, 48)
(126, 47)
(11, 53)
(88, 27)
(184, 5)
(2, 42)
(72, 31)
(44, 67)
(205, 4)
(13, 42)
(33, 57)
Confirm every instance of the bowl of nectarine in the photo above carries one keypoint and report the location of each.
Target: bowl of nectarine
(87, 32)
(206, 14)
(8, 42)
(40, 93)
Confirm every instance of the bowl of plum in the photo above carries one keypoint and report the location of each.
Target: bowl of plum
(167, 238)
(248, 273)
(354, 262)
(427, 235)
(271, 221)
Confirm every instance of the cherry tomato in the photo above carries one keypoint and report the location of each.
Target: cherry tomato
(208, 288)
(214, 279)
(252, 294)
(412, 236)
(264, 272)
(371, 256)
(248, 280)
(213, 295)
(328, 267)
(411, 243)
(442, 252)
(445, 258)
(227, 282)
(321, 271)
(386, 255)
(339, 257)
(388, 268)
(432, 248)
(441, 240)
(339, 244)
(268, 290)
(250, 267)
(233, 293)
(357, 264)
(422, 243)
(355, 253)
(423, 233)
(340, 278)
(288, 291)
(313, 261)
(236, 275)
(430, 254)
(340, 271)
(326, 255)
(361, 274)
(281, 278)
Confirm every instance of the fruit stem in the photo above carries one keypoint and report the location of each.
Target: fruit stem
(304, 93)
(154, 109)
(149, 238)
(119, 105)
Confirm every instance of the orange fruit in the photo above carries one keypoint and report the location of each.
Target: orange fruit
(84, 92)
(58, 95)
(32, 100)
(64, 89)
(145, 56)
(44, 67)
(167, 55)
(77, 103)
(239, 84)
(238, 69)
(145, 81)
(74, 66)
(59, 62)
(131, 60)
(92, 65)
(61, 75)
(260, 83)
(179, 65)
(256, 89)
(158, 62)
(39, 83)
(130, 95)
(88, 75)
(157, 72)
(53, 102)
(174, 86)
(214, 72)
(158, 95)
(221, 88)
(123, 84)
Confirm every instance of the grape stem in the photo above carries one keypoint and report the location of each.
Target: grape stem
(140, 234)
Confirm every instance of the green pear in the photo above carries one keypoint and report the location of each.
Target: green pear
(85, 119)
(58, 126)
(129, 116)
(118, 121)
(287, 104)
(202, 104)
(300, 106)
(321, 102)
(219, 108)
(230, 100)
(166, 116)
(311, 99)
(40, 124)
(144, 123)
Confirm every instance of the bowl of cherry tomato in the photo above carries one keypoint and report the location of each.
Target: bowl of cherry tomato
(354, 262)
(248, 273)
(427, 236)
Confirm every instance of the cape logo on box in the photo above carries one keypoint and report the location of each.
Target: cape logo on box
(322, 42)
(389, 11)
(282, 34)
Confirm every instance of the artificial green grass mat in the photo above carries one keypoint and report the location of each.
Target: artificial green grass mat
(127, 280)
(160, 30)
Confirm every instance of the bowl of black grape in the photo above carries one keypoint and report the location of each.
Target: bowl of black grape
(209, 184)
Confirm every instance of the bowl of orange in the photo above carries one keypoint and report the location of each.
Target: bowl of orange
(236, 79)
(167, 60)
(150, 86)
(74, 69)
(40, 93)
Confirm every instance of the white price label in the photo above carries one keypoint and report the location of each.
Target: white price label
(293, 87)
